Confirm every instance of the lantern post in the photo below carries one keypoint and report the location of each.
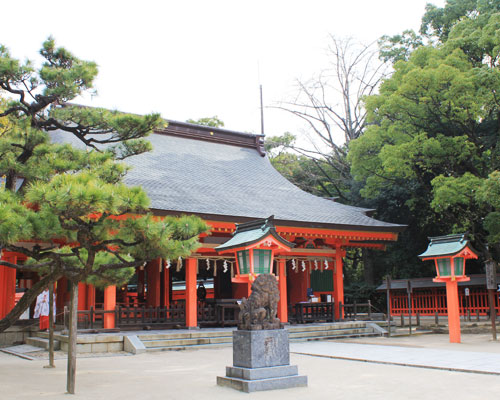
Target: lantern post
(449, 254)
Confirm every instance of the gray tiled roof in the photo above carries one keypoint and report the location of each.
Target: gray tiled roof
(203, 177)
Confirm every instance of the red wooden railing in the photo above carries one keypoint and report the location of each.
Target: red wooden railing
(430, 301)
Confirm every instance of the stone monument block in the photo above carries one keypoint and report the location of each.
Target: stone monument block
(257, 349)
(261, 349)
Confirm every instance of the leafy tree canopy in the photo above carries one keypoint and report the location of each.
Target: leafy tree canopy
(434, 129)
(463, 17)
(214, 122)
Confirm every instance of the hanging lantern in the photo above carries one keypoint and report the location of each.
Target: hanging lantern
(254, 244)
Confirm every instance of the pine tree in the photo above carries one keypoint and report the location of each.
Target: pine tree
(86, 224)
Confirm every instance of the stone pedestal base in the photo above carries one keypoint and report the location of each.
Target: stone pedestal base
(261, 362)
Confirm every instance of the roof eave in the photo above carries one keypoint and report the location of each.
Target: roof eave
(396, 228)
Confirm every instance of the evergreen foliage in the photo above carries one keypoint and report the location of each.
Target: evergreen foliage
(87, 225)
(433, 134)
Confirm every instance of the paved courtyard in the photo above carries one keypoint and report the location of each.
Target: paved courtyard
(329, 366)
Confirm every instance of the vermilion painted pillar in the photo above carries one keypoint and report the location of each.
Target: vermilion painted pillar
(191, 300)
(283, 304)
(7, 285)
(338, 284)
(82, 296)
(90, 296)
(109, 304)
(453, 311)
(153, 295)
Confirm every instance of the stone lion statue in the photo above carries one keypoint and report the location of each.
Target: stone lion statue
(260, 309)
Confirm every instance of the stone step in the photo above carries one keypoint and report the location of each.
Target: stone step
(324, 327)
(333, 332)
(43, 343)
(45, 335)
(186, 341)
(189, 347)
(244, 385)
(405, 332)
(180, 340)
(184, 335)
(343, 336)
(186, 345)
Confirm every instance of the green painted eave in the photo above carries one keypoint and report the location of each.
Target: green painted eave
(243, 239)
(252, 232)
(448, 245)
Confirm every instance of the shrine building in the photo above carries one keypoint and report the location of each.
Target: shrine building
(225, 178)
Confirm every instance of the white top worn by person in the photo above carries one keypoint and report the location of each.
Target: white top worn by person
(42, 305)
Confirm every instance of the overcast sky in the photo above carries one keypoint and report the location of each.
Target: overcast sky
(192, 59)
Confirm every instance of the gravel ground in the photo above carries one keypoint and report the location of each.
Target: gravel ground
(191, 374)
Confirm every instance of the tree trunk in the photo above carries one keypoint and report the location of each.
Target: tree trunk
(73, 318)
(27, 299)
(368, 267)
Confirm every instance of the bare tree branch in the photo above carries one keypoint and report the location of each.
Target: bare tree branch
(331, 105)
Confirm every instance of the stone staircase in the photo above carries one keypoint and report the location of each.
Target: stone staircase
(224, 337)
(85, 343)
(184, 340)
(40, 339)
(340, 330)
(151, 341)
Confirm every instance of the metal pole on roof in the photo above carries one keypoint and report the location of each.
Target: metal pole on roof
(261, 112)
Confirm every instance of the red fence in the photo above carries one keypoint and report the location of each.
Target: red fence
(428, 301)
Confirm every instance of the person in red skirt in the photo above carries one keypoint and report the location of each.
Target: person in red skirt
(42, 309)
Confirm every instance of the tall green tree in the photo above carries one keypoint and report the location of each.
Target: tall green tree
(434, 128)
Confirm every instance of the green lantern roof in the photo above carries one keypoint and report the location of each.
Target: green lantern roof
(448, 245)
(252, 232)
